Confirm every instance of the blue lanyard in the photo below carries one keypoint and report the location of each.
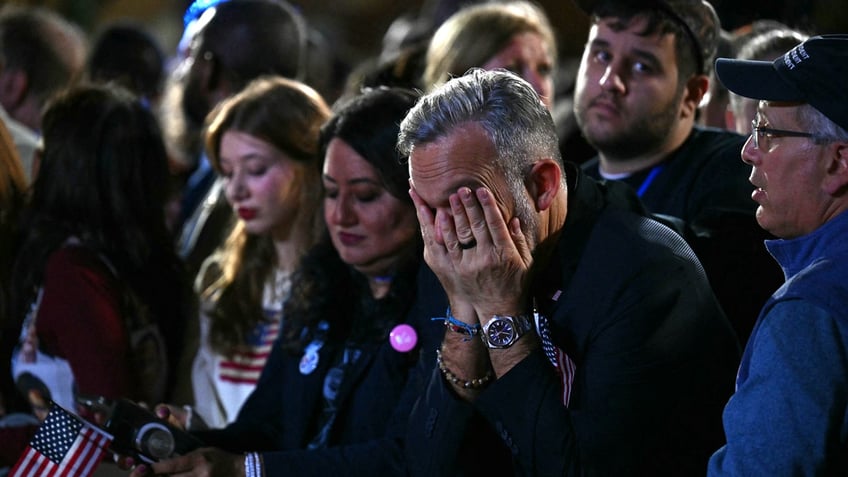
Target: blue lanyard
(648, 180)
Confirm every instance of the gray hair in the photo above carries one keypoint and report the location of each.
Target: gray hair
(510, 113)
(502, 104)
(817, 123)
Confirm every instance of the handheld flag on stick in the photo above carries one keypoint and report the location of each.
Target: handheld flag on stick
(64, 446)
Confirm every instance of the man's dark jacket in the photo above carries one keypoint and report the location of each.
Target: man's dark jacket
(655, 361)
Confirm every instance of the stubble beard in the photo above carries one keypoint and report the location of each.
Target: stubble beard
(633, 138)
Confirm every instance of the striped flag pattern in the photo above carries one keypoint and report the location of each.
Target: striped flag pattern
(565, 368)
(561, 362)
(245, 366)
(63, 446)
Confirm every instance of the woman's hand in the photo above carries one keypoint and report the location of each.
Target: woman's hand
(205, 462)
(176, 416)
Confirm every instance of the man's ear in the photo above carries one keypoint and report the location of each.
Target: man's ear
(696, 87)
(836, 178)
(543, 183)
(14, 84)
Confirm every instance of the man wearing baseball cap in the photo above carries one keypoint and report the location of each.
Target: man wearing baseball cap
(644, 71)
(789, 414)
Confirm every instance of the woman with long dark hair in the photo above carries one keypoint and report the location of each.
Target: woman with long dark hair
(98, 295)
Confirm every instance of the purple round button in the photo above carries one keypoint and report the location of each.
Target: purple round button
(403, 338)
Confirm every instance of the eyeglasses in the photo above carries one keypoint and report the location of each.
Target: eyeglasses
(762, 135)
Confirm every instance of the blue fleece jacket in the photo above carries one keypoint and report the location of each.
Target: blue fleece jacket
(789, 415)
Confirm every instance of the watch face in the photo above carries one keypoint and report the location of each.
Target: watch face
(501, 332)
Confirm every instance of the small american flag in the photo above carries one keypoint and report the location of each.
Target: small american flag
(64, 445)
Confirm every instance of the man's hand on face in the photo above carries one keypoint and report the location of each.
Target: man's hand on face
(481, 260)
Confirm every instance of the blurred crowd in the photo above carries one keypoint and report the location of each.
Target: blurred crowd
(275, 241)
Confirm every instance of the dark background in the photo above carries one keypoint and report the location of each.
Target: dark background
(356, 27)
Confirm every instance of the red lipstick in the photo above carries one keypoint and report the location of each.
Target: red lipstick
(246, 214)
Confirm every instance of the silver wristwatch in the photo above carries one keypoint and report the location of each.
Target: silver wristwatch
(503, 331)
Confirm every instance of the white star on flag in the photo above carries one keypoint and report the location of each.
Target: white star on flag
(64, 446)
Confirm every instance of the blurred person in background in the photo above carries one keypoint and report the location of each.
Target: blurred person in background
(229, 44)
(99, 298)
(711, 111)
(13, 186)
(41, 53)
(124, 52)
(516, 36)
(766, 44)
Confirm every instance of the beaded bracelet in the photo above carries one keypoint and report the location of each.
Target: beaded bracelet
(252, 464)
(461, 327)
(476, 383)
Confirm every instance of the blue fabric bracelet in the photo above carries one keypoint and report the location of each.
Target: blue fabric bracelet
(459, 326)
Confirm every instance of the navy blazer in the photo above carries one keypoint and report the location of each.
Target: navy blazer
(375, 399)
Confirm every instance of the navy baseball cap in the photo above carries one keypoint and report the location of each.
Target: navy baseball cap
(814, 72)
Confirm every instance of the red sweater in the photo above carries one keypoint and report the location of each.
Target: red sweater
(79, 320)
